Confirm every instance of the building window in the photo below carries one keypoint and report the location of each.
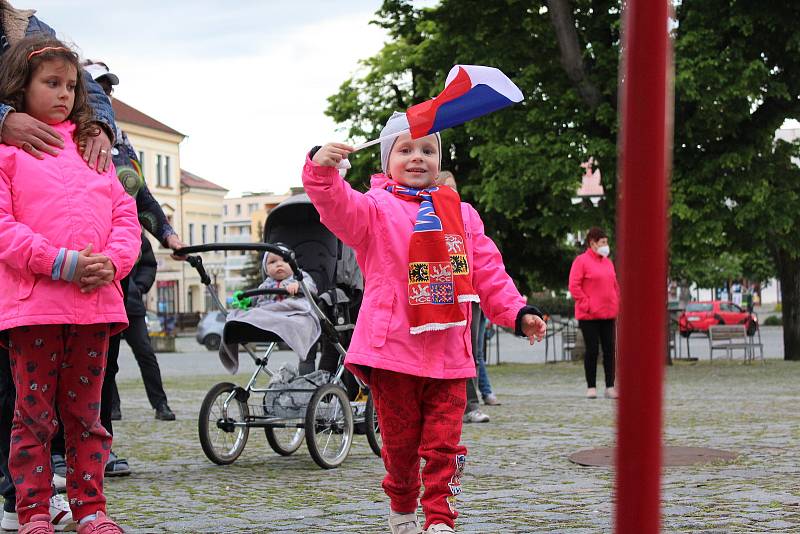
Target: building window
(191, 234)
(225, 210)
(216, 233)
(238, 209)
(141, 159)
(166, 171)
(203, 234)
(159, 177)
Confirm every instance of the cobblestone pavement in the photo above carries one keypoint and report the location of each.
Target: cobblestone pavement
(518, 478)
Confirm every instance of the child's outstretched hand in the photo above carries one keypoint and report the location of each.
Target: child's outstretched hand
(293, 288)
(331, 154)
(533, 327)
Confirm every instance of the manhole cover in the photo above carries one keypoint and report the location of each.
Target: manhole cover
(673, 456)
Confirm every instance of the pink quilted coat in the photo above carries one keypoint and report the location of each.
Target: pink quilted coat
(378, 226)
(53, 203)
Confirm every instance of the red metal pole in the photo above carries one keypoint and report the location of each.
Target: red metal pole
(642, 244)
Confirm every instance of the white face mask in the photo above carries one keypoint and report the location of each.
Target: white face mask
(604, 250)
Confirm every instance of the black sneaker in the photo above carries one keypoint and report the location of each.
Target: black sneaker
(163, 412)
(116, 414)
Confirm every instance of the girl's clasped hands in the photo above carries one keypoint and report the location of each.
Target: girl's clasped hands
(93, 270)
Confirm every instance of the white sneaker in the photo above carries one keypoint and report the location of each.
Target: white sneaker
(60, 516)
(404, 523)
(438, 528)
(60, 483)
(475, 416)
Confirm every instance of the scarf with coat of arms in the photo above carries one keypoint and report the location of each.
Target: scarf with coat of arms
(438, 271)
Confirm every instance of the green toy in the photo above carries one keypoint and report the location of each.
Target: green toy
(241, 302)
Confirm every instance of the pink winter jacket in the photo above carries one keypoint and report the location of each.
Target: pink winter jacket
(378, 226)
(53, 203)
(593, 285)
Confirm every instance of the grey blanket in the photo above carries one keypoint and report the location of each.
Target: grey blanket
(291, 319)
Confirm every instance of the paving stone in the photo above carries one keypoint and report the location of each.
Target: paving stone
(518, 478)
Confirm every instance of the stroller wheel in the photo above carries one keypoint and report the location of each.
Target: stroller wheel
(373, 428)
(221, 440)
(285, 441)
(329, 426)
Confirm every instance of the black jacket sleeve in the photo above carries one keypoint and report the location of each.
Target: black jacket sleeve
(145, 274)
(140, 280)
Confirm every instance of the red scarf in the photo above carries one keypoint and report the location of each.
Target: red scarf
(438, 271)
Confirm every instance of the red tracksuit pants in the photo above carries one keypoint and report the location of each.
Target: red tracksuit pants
(421, 418)
(58, 366)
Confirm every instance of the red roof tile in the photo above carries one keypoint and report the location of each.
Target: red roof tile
(192, 180)
(126, 113)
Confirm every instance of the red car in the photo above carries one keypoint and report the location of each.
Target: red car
(700, 315)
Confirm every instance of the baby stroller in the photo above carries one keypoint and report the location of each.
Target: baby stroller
(321, 413)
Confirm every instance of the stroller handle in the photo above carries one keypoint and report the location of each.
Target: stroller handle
(284, 252)
(266, 291)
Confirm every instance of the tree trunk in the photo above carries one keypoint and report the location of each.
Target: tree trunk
(789, 274)
(571, 51)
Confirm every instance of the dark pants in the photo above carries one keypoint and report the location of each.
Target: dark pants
(596, 332)
(139, 341)
(109, 383)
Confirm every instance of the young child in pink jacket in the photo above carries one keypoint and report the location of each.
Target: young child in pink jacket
(425, 258)
(60, 302)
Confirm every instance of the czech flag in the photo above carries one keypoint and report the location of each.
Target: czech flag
(470, 91)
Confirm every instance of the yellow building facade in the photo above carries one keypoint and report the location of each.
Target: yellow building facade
(191, 204)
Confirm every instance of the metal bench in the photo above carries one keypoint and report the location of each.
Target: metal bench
(728, 338)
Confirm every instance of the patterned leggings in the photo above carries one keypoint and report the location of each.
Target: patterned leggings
(421, 418)
(58, 365)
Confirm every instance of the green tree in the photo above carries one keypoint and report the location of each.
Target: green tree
(735, 191)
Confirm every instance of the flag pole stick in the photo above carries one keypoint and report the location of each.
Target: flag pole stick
(644, 161)
(378, 140)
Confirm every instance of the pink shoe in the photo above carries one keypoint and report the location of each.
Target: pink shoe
(101, 525)
(39, 524)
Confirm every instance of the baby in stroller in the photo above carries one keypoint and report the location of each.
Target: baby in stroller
(289, 317)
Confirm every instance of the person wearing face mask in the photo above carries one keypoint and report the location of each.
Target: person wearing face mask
(593, 285)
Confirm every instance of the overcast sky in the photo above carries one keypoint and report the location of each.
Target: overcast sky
(246, 82)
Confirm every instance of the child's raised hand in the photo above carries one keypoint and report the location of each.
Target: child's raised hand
(331, 154)
(293, 288)
(533, 327)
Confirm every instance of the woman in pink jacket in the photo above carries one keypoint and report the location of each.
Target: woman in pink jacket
(61, 301)
(425, 257)
(593, 285)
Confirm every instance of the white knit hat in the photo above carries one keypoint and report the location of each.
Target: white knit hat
(397, 123)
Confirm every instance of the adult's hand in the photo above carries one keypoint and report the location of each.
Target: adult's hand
(97, 152)
(31, 135)
(174, 242)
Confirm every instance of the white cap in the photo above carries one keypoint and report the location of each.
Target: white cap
(397, 123)
(96, 71)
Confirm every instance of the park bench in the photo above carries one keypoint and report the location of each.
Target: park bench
(728, 338)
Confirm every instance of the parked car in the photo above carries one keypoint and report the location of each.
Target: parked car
(153, 322)
(209, 329)
(699, 316)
